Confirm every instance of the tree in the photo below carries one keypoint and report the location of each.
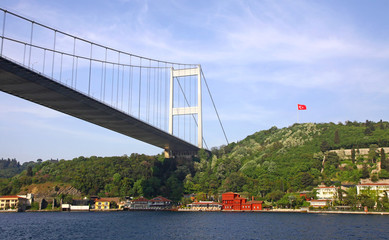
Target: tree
(336, 137)
(325, 146)
(113, 205)
(332, 159)
(369, 127)
(364, 172)
(372, 155)
(366, 201)
(29, 171)
(303, 180)
(275, 195)
(353, 155)
(384, 164)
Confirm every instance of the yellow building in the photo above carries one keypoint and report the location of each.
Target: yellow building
(102, 204)
(13, 202)
(107, 203)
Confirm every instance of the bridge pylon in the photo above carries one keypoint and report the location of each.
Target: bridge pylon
(189, 110)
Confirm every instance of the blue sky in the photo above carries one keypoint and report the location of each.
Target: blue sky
(260, 58)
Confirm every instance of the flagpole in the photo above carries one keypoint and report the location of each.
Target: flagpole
(298, 117)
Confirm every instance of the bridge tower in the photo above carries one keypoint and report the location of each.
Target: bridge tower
(190, 110)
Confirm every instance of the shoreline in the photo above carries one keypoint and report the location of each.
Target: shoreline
(236, 211)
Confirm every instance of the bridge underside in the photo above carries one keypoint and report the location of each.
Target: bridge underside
(24, 83)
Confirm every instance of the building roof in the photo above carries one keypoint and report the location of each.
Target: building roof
(373, 184)
(229, 193)
(108, 199)
(12, 196)
(142, 199)
(160, 199)
(205, 203)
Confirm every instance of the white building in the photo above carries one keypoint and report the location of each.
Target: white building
(29, 197)
(378, 188)
(318, 203)
(327, 193)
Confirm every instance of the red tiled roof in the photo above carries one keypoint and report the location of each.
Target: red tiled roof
(142, 199)
(12, 196)
(160, 199)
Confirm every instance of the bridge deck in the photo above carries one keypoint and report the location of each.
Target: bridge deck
(24, 83)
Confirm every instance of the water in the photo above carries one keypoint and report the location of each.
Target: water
(191, 225)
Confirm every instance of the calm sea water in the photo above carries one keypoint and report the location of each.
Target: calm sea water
(191, 225)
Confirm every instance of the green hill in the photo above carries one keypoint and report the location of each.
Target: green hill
(291, 159)
(268, 163)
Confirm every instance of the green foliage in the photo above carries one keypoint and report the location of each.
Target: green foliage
(384, 174)
(35, 206)
(113, 205)
(365, 172)
(336, 137)
(11, 167)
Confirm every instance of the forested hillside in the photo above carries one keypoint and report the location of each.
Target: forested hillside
(291, 159)
(267, 164)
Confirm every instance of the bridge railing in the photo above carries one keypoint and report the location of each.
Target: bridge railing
(130, 83)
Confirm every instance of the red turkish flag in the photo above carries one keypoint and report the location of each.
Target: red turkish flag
(301, 107)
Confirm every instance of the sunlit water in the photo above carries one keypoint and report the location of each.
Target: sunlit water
(191, 225)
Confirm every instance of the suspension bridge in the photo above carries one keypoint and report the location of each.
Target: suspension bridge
(154, 101)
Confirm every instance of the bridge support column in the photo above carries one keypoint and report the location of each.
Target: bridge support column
(176, 73)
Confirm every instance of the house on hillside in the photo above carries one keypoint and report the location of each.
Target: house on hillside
(326, 193)
(381, 189)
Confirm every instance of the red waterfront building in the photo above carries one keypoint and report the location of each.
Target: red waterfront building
(234, 202)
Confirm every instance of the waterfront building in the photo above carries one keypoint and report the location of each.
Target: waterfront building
(159, 203)
(380, 189)
(252, 205)
(102, 204)
(234, 202)
(140, 204)
(205, 206)
(13, 202)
